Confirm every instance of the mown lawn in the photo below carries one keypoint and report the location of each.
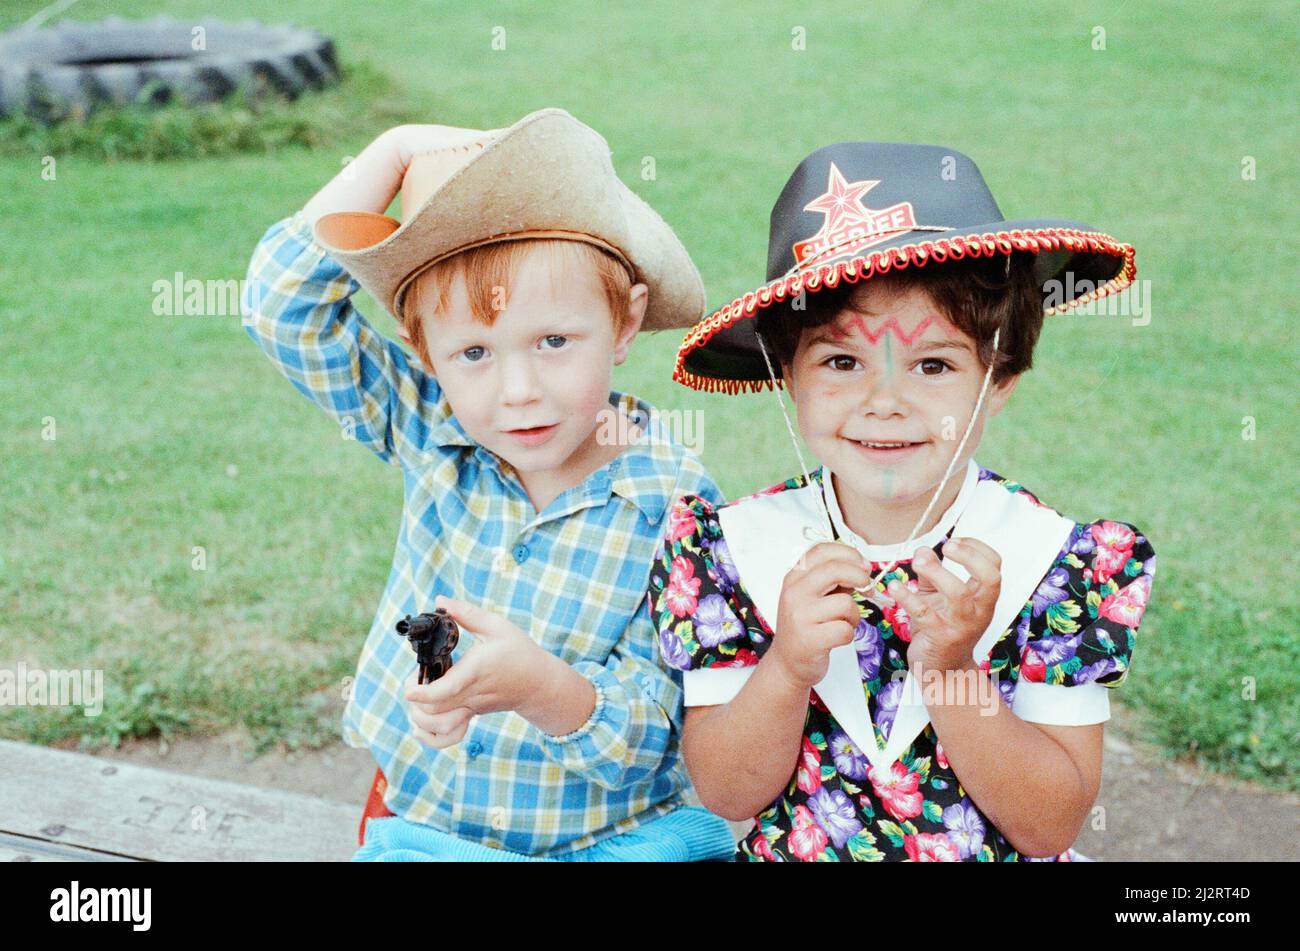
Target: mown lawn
(173, 433)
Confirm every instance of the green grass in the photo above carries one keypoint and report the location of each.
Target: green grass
(1144, 139)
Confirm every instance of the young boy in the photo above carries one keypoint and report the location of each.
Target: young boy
(901, 655)
(521, 272)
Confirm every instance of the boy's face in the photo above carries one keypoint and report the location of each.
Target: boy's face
(884, 393)
(529, 386)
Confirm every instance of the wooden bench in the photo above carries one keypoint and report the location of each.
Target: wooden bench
(62, 806)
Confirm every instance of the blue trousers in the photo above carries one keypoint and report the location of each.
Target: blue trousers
(687, 834)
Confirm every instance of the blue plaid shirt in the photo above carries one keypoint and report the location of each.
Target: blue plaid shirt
(573, 576)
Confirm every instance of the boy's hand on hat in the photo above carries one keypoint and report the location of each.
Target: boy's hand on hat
(498, 672)
(371, 179)
(947, 616)
(408, 141)
(817, 612)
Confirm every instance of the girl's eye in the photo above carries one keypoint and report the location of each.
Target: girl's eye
(473, 354)
(840, 362)
(554, 341)
(933, 367)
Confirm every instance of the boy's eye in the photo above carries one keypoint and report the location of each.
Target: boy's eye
(841, 361)
(933, 367)
(554, 341)
(473, 354)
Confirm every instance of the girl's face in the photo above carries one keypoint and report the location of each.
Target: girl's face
(884, 393)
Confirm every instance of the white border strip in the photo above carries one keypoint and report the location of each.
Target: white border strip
(709, 686)
(1059, 705)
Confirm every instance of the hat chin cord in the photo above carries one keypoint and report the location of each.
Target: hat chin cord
(952, 463)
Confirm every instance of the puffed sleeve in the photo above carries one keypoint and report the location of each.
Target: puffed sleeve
(1077, 634)
(707, 626)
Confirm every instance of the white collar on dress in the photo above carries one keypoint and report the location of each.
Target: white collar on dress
(900, 551)
(767, 534)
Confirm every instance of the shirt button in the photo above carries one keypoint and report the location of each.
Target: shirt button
(474, 749)
(520, 553)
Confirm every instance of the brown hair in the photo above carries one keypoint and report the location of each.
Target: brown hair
(976, 295)
(490, 269)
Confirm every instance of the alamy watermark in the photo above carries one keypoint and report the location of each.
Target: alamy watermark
(966, 687)
(24, 686)
(75, 903)
(1134, 301)
(682, 426)
(181, 296)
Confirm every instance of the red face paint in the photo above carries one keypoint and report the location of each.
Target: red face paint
(841, 330)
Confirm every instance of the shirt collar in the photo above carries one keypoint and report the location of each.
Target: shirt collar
(901, 551)
(645, 472)
(445, 429)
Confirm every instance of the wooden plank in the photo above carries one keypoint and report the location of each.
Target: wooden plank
(16, 848)
(122, 810)
(9, 855)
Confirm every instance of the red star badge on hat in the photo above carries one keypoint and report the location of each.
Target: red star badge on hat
(850, 225)
(842, 200)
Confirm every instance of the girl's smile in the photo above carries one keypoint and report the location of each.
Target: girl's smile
(883, 394)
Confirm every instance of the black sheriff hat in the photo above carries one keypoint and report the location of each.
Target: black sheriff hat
(854, 210)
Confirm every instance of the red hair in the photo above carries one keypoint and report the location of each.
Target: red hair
(489, 270)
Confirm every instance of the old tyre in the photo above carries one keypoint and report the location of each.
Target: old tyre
(72, 67)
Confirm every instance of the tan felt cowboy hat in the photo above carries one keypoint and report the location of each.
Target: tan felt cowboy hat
(546, 176)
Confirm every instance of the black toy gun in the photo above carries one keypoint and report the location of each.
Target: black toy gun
(433, 636)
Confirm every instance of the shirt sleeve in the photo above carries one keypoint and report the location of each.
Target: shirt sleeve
(1080, 628)
(632, 732)
(635, 727)
(297, 307)
(707, 627)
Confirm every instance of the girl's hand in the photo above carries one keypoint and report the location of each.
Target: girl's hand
(816, 612)
(946, 617)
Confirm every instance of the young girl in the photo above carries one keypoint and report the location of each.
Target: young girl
(900, 655)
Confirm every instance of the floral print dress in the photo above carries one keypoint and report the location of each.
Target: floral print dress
(1077, 628)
